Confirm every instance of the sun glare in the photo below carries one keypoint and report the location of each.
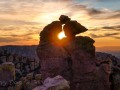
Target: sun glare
(61, 35)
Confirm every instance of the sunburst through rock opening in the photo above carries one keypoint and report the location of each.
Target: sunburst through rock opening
(61, 35)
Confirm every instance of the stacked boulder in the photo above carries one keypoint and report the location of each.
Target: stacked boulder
(72, 57)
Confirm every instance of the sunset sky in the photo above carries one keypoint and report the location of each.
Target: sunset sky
(22, 20)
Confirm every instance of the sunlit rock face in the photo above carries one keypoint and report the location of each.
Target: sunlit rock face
(72, 57)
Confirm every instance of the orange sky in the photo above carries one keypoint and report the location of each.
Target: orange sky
(22, 20)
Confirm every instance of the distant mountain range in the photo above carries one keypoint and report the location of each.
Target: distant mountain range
(114, 50)
(27, 51)
(30, 51)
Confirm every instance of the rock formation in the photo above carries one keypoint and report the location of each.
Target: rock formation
(74, 59)
(53, 58)
(82, 53)
(50, 32)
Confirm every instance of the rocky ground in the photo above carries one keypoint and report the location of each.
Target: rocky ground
(30, 77)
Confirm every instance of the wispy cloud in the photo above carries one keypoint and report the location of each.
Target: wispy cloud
(8, 39)
(24, 19)
(105, 35)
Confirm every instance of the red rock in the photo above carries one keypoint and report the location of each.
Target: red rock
(53, 61)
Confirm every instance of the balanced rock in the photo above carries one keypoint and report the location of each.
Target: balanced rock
(53, 58)
(74, 59)
(63, 19)
(73, 28)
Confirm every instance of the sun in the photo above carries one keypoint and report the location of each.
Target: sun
(61, 35)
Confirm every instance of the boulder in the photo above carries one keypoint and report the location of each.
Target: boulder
(55, 83)
(63, 19)
(50, 32)
(72, 28)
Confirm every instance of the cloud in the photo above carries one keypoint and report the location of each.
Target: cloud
(117, 37)
(105, 35)
(107, 0)
(106, 28)
(17, 22)
(24, 19)
(93, 11)
(15, 37)
(112, 27)
(8, 39)
(99, 0)
(103, 14)
(24, 10)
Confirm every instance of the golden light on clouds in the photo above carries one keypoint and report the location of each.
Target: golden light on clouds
(22, 20)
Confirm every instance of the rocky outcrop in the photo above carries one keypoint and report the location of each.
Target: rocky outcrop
(83, 62)
(72, 57)
(54, 61)
(53, 58)
(110, 67)
(56, 83)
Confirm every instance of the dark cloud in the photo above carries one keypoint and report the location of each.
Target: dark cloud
(117, 37)
(30, 28)
(114, 16)
(14, 37)
(93, 11)
(112, 27)
(23, 35)
(107, 0)
(105, 35)
(8, 39)
(111, 34)
(99, 0)
(104, 14)
(106, 28)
